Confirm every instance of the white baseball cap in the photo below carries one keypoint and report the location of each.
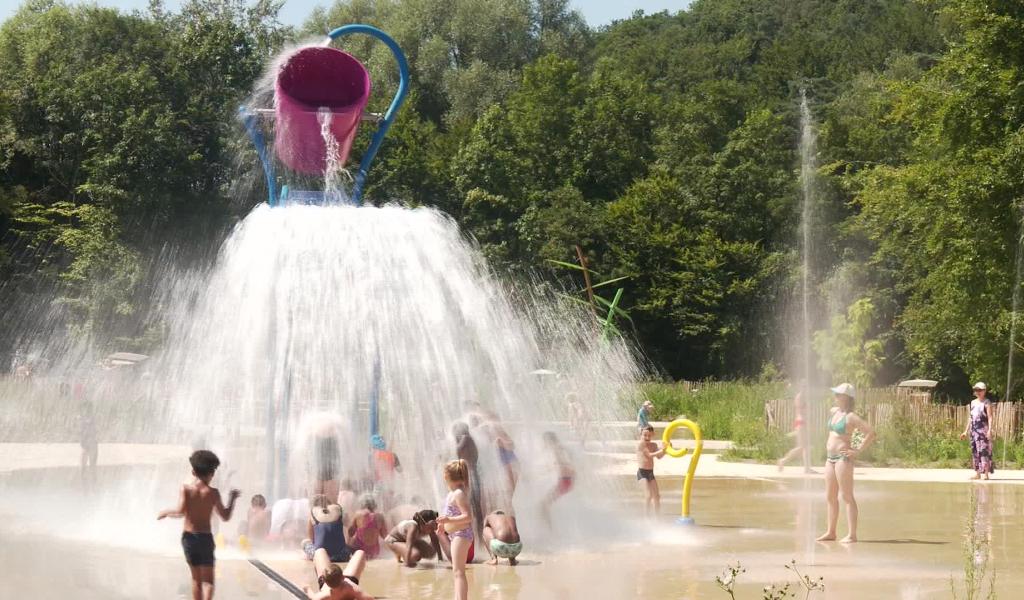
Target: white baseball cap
(845, 389)
(980, 386)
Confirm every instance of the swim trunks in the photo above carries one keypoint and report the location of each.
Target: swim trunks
(647, 474)
(564, 485)
(353, 579)
(198, 548)
(506, 550)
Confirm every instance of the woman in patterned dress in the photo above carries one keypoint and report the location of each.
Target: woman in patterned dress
(979, 427)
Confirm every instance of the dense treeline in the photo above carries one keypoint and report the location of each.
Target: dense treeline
(664, 146)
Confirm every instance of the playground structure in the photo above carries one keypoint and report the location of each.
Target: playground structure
(320, 96)
(666, 438)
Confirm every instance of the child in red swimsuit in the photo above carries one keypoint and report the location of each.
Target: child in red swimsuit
(566, 473)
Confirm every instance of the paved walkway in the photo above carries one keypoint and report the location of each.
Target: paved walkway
(616, 460)
(17, 456)
(618, 463)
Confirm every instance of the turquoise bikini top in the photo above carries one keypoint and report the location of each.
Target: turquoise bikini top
(840, 425)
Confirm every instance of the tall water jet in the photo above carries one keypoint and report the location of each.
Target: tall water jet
(808, 149)
(808, 171)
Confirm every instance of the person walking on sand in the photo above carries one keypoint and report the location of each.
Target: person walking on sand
(801, 437)
(565, 470)
(839, 460)
(196, 504)
(643, 416)
(979, 427)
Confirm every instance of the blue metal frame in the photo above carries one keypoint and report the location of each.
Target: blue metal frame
(256, 135)
(396, 102)
(278, 196)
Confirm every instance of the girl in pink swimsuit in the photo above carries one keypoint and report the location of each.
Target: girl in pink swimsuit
(455, 526)
(367, 527)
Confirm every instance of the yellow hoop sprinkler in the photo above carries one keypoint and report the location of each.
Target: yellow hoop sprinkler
(666, 438)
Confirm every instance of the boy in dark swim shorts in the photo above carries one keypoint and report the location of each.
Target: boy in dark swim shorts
(335, 584)
(646, 452)
(196, 504)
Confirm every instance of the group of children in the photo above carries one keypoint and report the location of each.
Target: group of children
(335, 534)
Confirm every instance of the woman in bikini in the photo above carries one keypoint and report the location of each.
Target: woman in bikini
(455, 526)
(367, 528)
(839, 460)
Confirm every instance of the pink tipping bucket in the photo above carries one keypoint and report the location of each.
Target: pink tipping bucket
(311, 79)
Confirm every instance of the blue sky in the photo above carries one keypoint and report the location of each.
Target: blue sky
(597, 12)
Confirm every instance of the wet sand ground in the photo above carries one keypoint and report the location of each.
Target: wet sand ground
(912, 538)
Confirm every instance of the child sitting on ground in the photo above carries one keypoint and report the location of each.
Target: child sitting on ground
(406, 539)
(335, 584)
(646, 452)
(325, 530)
(501, 537)
(257, 523)
(196, 504)
(367, 528)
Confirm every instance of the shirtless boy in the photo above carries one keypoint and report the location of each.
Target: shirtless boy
(335, 584)
(646, 452)
(196, 503)
(501, 537)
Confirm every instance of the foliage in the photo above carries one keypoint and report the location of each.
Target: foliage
(720, 408)
(664, 145)
(729, 577)
(844, 349)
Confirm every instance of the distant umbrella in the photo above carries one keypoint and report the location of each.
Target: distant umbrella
(918, 383)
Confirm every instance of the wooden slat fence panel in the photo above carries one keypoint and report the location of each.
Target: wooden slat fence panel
(880, 405)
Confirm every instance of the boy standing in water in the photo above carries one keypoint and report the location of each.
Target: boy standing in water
(196, 504)
(646, 452)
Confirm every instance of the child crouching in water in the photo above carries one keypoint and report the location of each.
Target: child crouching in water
(196, 504)
(455, 526)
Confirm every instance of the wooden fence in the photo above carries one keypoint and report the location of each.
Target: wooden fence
(880, 405)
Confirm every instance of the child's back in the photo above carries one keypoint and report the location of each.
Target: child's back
(196, 504)
(200, 500)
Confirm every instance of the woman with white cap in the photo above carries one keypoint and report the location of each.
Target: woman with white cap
(979, 427)
(839, 461)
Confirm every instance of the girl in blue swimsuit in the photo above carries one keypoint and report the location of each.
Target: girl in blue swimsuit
(839, 460)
